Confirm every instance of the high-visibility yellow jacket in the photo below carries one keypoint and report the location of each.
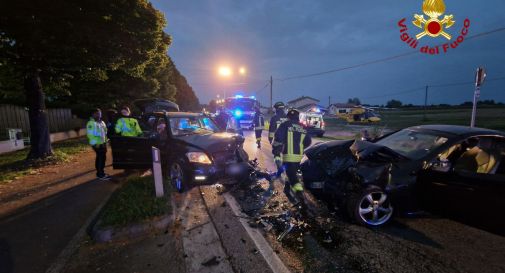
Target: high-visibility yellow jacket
(128, 127)
(96, 131)
(289, 141)
(259, 121)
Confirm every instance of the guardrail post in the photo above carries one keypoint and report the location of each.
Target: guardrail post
(158, 177)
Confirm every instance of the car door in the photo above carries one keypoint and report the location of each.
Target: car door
(464, 192)
(135, 152)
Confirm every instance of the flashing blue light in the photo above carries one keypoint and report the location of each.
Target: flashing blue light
(253, 97)
(237, 113)
(239, 96)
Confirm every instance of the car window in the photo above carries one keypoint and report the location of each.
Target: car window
(147, 123)
(192, 125)
(481, 155)
(161, 128)
(412, 144)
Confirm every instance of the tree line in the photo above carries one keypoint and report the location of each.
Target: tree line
(82, 55)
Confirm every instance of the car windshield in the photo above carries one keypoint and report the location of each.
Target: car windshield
(411, 144)
(192, 125)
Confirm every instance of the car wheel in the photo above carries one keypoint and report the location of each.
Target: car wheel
(320, 135)
(177, 177)
(370, 208)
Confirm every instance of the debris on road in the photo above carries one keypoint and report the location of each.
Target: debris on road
(211, 262)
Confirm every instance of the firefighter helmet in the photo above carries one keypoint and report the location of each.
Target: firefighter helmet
(293, 114)
(278, 105)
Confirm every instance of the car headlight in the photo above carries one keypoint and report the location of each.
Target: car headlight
(304, 158)
(198, 157)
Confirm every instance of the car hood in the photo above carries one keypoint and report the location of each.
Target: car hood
(212, 143)
(367, 162)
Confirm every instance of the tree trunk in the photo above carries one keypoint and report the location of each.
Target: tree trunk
(39, 129)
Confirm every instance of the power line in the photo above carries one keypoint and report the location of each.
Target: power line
(379, 60)
(413, 90)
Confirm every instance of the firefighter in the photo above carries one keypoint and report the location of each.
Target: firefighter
(259, 125)
(222, 118)
(96, 131)
(276, 120)
(126, 125)
(290, 139)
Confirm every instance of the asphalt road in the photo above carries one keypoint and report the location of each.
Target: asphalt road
(33, 237)
(419, 244)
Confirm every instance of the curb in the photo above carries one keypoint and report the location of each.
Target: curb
(109, 234)
(62, 259)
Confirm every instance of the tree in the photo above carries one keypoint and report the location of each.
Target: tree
(354, 101)
(185, 95)
(394, 104)
(55, 43)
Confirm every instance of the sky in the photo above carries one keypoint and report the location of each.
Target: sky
(282, 38)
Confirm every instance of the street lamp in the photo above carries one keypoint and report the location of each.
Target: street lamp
(242, 71)
(224, 71)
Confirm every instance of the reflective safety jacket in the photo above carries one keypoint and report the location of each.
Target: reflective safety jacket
(259, 121)
(275, 121)
(128, 127)
(96, 131)
(289, 141)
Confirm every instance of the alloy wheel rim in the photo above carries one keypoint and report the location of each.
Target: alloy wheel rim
(176, 176)
(375, 208)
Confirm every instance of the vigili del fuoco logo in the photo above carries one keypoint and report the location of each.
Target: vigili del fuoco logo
(434, 25)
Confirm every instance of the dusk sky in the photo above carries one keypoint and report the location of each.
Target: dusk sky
(289, 38)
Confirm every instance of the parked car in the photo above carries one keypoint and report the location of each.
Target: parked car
(456, 171)
(193, 150)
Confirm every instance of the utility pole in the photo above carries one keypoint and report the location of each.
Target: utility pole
(271, 92)
(329, 101)
(425, 102)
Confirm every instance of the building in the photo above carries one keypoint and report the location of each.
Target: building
(302, 101)
(340, 108)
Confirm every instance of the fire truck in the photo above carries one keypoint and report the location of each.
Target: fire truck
(242, 108)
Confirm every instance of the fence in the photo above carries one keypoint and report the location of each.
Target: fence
(59, 119)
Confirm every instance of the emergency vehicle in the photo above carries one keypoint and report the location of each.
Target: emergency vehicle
(242, 108)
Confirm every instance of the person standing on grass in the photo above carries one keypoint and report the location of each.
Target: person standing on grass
(96, 131)
(126, 125)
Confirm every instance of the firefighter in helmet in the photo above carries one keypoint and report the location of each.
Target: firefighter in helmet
(290, 140)
(259, 125)
(276, 120)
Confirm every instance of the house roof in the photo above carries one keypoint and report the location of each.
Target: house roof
(343, 105)
(302, 98)
(307, 107)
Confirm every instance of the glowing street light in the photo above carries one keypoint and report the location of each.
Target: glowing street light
(224, 71)
(242, 70)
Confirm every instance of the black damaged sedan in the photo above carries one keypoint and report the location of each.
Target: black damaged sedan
(193, 150)
(455, 171)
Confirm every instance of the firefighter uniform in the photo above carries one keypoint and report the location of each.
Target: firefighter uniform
(129, 127)
(276, 120)
(259, 125)
(290, 140)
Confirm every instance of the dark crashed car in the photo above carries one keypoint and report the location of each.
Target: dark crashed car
(193, 150)
(455, 171)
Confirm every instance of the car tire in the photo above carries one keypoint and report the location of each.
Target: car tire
(320, 134)
(177, 175)
(372, 207)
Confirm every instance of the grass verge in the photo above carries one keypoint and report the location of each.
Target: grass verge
(134, 202)
(13, 165)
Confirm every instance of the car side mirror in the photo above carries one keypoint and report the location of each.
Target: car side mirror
(441, 165)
